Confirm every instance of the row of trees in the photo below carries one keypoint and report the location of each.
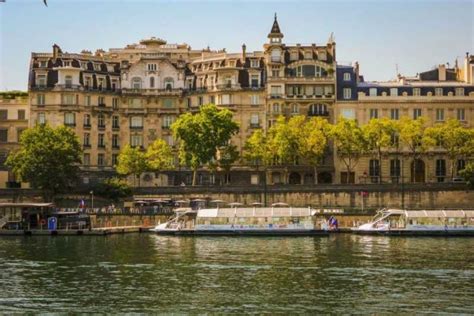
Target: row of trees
(49, 158)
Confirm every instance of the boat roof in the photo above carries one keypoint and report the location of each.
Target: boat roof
(257, 212)
(432, 213)
(8, 204)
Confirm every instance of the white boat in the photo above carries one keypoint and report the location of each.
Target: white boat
(245, 221)
(420, 222)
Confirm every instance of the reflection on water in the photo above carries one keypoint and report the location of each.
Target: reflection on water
(148, 273)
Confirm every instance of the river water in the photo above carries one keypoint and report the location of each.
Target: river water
(155, 274)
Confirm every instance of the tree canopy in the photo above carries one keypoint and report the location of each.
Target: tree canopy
(131, 161)
(48, 158)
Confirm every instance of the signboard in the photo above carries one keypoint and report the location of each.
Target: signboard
(52, 223)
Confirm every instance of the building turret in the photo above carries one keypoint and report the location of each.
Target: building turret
(275, 34)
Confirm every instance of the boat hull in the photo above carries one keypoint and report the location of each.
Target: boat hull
(255, 232)
(404, 232)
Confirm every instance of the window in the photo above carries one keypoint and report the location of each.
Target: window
(276, 108)
(459, 92)
(294, 56)
(322, 55)
(295, 109)
(70, 119)
(100, 83)
(87, 120)
(3, 115)
(440, 114)
(460, 115)
(88, 100)
(254, 81)
(169, 140)
(416, 113)
(135, 103)
(136, 140)
(275, 71)
(348, 114)
(115, 103)
(394, 114)
(169, 83)
(276, 55)
(168, 103)
(200, 100)
(68, 81)
(101, 121)
(254, 99)
(212, 99)
(373, 92)
(416, 92)
(393, 92)
(152, 82)
(86, 160)
(394, 140)
(395, 169)
(69, 99)
(101, 101)
(317, 109)
(225, 99)
(3, 135)
(19, 131)
(440, 169)
(374, 113)
(97, 67)
(167, 121)
(151, 67)
(87, 82)
(347, 177)
(308, 55)
(275, 90)
(114, 85)
(43, 63)
(136, 122)
(438, 91)
(254, 63)
(347, 93)
(87, 139)
(41, 118)
(100, 160)
(21, 114)
(254, 121)
(374, 170)
(115, 121)
(101, 140)
(461, 165)
(136, 83)
(115, 141)
(41, 81)
(114, 159)
(66, 63)
(40, 99)
(347, 76)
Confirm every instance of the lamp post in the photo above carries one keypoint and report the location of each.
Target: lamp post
(92, 200)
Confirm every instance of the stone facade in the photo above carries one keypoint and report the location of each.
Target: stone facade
(132, 95)
(14, 116)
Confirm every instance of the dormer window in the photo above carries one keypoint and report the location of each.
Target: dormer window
(347, 76)
(308, 55)
(66, 63)
(43, 64)
(322, 55)
(68, 82)
(151, 67)
(41, 80)
(254, 63)
(294, 56)
(84, 65)
(97, 67)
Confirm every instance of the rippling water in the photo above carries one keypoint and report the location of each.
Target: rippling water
(154, 274)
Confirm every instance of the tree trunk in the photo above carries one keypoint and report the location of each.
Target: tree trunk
(452, 169)
(315, 175)
(414, 170)
(380, 166)
(194, 176)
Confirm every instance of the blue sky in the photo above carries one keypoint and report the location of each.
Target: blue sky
(416, 35)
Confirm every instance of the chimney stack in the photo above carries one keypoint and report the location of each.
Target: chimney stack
(442, 72)
(244, 52)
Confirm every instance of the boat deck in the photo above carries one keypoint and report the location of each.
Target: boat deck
(75, 232)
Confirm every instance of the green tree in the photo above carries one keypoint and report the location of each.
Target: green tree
(114, 189)
(159, 156)
(378, 136)
(132, 161)
(200, 135)
(455, 139)
(48, 158)
(468, 174)
(256, 151)
(413, 136)
(313, 138)
(349, 142)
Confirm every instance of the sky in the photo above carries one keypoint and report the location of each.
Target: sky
(416, 35)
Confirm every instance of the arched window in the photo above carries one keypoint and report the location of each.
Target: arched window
(152, 82)
(136, 83)
(169, 83)
(276, 55)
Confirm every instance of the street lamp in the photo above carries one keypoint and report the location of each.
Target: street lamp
(92, 199)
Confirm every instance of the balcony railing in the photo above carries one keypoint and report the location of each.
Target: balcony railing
(228, 86)
(318, 113)
(175, 92)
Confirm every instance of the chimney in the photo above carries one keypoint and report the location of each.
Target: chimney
(356, 71)
(244, 52)
(467, 69)
(56, 51)
(442, 72)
